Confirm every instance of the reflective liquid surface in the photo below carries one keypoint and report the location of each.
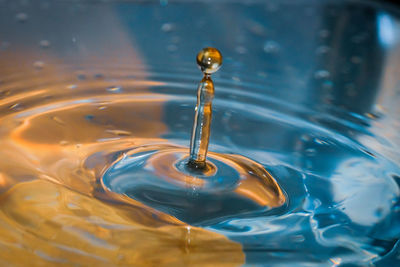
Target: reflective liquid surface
(316, 106)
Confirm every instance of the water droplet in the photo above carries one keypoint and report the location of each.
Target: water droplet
(114, 89)
(72, 86)
(168, 27)
(321, 74)
(271, 47)
(44, 44)
(21, 17)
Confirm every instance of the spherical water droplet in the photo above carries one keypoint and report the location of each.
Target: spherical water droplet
(114, 89)
(21, 17)
(71, 86)
(209, 60)
(271, 47)
(44, 44)
(168, 27)
(38, 65)
(321, 74)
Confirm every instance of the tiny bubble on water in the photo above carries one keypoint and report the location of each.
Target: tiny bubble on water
(356, 60)
(271, 47)
(21, 17)
(172, 48)
(114, 89)
(4, 45)
(168, 27)
(241, 50)
(99, 76)
(81, 76)
(16, 106)
(322, 50)
(38, 65)
(321, 74)
(89, 117)
(175, 39)
(319, 141)
(328, 84)
(44, 44)
(119, 132)
(236, 79)
(324, 33)
(310, 152)
(58, 120)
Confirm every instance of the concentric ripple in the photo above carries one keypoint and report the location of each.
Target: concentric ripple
(159, 177)
(75, 150)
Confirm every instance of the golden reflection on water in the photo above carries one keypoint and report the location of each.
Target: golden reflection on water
(46, 222)
(52, 212)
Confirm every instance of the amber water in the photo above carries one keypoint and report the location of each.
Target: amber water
(71, 118)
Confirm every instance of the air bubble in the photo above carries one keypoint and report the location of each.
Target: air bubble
(38, 65)
(72, 86)
(21, 17)
(114, 89)
(44, 44)
(168, 27)
(172, 48)
(321, 74)
(356, 60)
(271, 47)
(81, 76)
(322, 50)
(241, 50)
